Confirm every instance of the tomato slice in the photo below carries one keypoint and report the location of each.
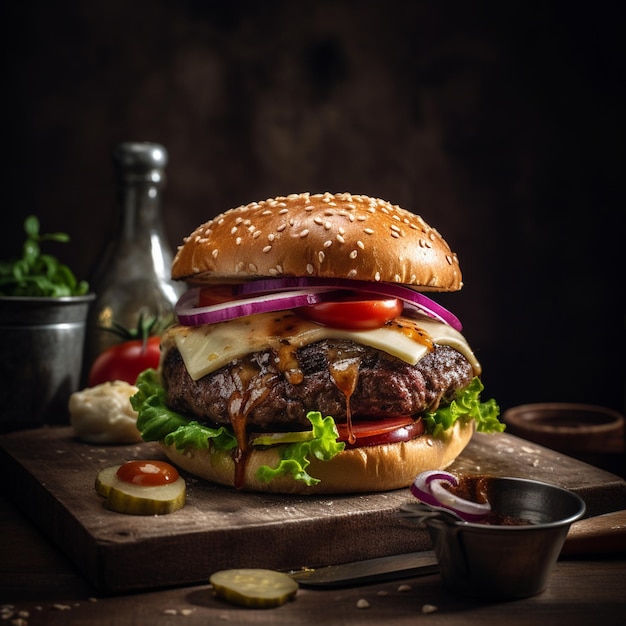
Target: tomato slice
(353, 312)
(377, 432)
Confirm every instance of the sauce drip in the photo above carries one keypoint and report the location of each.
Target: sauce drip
(288, 364)
(147, 473)
(250, 391)
(345, 373)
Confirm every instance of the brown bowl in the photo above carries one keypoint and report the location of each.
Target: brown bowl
(576, 429)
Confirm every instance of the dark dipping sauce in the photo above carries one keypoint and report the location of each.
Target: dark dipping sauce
(475, 489)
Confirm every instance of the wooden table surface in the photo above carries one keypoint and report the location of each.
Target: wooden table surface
(38, 585)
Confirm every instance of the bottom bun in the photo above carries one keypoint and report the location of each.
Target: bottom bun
(367, 469)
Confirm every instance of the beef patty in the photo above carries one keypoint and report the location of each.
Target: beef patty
(383, 385)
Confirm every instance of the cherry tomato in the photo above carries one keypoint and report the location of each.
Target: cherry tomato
(125, 361)
(377, 432)
(147, 473)
(353, 313)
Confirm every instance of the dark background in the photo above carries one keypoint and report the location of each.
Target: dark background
(501, 123)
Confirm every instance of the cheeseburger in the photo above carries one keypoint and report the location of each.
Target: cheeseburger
(307, 357)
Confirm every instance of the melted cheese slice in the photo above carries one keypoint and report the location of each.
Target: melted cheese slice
(207, 348)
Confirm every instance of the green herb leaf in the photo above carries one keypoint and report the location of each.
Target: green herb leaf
(37, 274)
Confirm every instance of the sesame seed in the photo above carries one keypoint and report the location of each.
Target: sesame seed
(267, 248)
(360, 244)
(266, 212)
(309, 268)
(321, 256)
(340, 239)
(281, 228)
(394, 234)
(327, 225)
(342, 231)
(252, 267)
(377, 276)
(328, 243)
(368, 231)
(395, 228)
(353, 254)
(271, 237)
(215, 253)
(352, 273)
(283, 211)
(304, 233)
(318, 220)
(449, 259)
(279, 269)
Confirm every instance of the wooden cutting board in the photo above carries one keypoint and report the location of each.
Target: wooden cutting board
(52, 481)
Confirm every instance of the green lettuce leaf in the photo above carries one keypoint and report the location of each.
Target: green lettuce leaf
(157, 422)
(295, 457)
(466, 406)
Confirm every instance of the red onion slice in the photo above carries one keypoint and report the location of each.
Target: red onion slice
(189, 314)
(413, 300)
(428, 488)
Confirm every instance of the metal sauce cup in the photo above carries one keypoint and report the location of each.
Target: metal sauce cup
(507, 562)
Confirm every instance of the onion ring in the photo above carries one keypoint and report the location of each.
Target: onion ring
(413, 300)
(428, 488)
(189, 314)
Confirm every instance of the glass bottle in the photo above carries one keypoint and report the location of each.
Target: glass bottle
(132, 280)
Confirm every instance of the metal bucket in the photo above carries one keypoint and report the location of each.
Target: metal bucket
(507, 562)
(41, 353)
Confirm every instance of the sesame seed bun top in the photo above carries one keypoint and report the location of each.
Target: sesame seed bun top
(323, 235)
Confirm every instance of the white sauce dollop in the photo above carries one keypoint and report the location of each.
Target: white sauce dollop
(103, 414)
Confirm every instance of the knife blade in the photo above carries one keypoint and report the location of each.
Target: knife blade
(395, 567)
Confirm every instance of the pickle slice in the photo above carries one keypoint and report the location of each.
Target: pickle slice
(254, 588)
(125, 497)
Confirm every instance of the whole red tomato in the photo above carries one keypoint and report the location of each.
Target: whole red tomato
(125, 361)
